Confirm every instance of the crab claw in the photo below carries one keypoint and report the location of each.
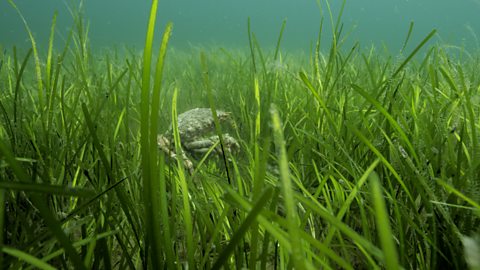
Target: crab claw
(165, 145)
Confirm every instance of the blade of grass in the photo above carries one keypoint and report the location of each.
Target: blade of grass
(19, 76)
(39, 201)
(166, 219)
(96, 143)
(60, 190)
(49, 63)
(414, 52)
(383, 224)
(147, 163)
(119, 124)
(157, 168)
(78, 244)
(211, 102)
(23, 256)
(157, 85)
(237, 237)
(38, 70)
(384, 161)
(187, 216)
(342, 227)
(260, 170)
(95, 198)
(279, 40)
(2, 60)
(279, 234)
(471, 114)
(458, 194)
(317, 97)
(16, 101)
(287, 191)
(410, 29)
(353, 194)
(250, 43)
(79, 209)
(403, 136)
(50, 88)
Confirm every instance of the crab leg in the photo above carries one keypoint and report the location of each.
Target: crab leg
(163, 144)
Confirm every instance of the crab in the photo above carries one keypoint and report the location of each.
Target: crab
(196, 128)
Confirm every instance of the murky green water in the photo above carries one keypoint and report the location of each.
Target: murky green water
(207, 22)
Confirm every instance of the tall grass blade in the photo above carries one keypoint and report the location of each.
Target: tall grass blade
(410, 30)
(97, 145)
(187, 216)
(251, 46)
(279, 40)
(287, 192)
(60, 190)
(383, 224)
(211, 102)
(49, 53)
(413, 53)
(40, 202)
(155, 101)
(149, 166)
(49, 84)
(353, 194)
(401, 133)
(458, 194)
(259, 178)
(17, 86)
(342, 227)
(38, 71)
(28, 258)
(319, 99)
(80, 243)
(237, 237)
(157, 169)
(384, 161)
(166, 218)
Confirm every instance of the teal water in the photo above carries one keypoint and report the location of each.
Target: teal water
(224, 22)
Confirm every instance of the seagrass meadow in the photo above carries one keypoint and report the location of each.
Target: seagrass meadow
(349, 157)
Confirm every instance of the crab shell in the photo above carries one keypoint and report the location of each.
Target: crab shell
(194, 127)
(197, 122)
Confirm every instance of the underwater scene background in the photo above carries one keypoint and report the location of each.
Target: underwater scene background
(224, 23)
(253, 134)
